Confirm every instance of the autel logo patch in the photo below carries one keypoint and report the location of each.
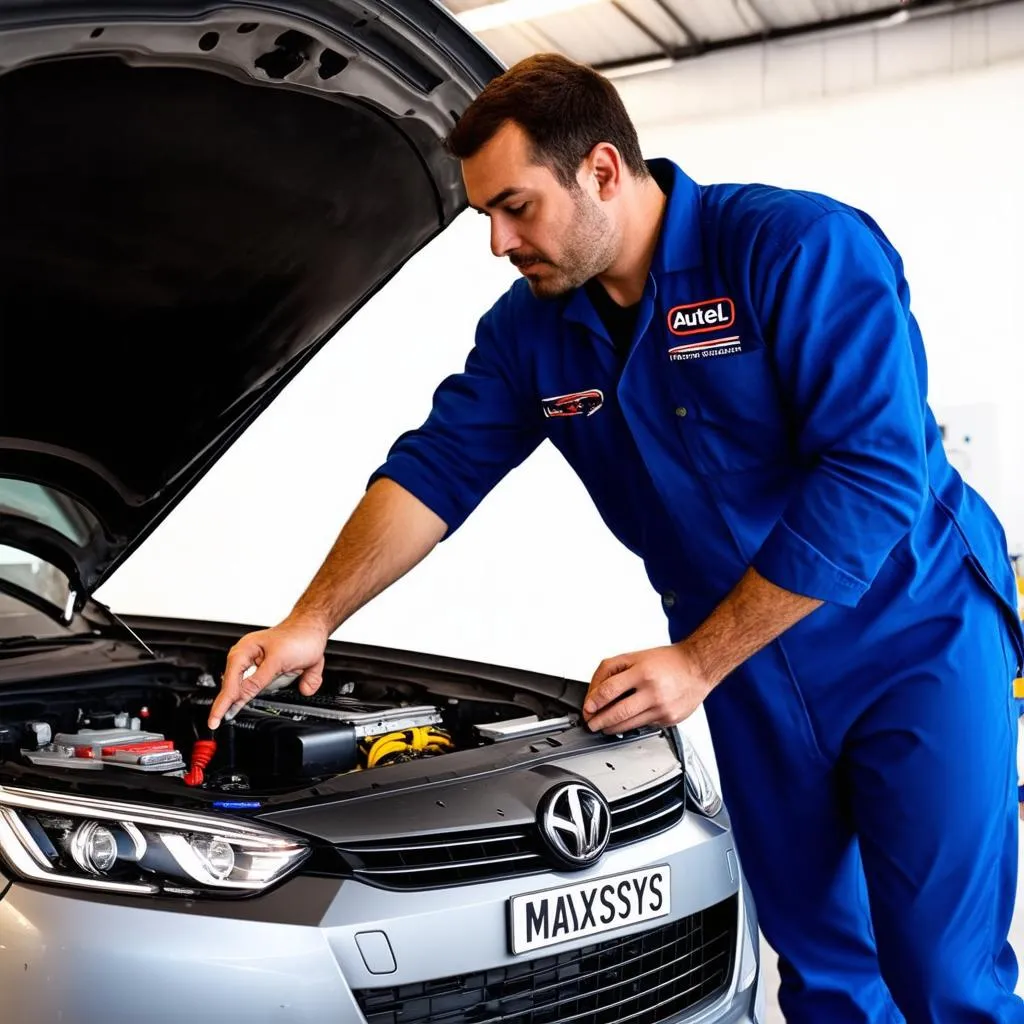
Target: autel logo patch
(713, 315)
(579, 403)
(700, 317)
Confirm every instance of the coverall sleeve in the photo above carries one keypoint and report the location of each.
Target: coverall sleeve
(841, 339)
(481, 426)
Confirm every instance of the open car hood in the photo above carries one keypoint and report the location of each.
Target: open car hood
(193, 199)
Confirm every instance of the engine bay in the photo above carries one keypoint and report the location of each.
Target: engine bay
(154, 724)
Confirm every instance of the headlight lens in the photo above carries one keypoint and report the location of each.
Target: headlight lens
(700, 787)
(93, 848)
(128, 848)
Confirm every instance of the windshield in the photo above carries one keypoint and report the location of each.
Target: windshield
(47, 506)
(34, 575)
(50, 508)
(18, 619)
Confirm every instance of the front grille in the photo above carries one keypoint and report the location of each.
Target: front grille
(643, 979)
(648, 812)
(443, 859)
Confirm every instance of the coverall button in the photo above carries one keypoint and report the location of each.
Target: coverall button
(681, 411)
(668, 598)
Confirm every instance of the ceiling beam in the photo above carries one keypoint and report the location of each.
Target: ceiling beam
(688, 34)
(665, 48)
(766, 23)
(774, 33)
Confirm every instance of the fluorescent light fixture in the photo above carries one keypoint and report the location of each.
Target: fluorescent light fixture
(509, 12)
(859, 28)
(642, 67)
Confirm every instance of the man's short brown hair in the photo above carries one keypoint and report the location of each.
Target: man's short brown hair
(565, 108)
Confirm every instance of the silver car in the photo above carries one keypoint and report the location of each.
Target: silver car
(195, 197)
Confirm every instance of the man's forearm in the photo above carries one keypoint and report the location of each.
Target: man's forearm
(749, 618)
(389, 532)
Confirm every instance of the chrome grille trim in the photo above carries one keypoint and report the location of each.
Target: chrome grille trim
(437, 859)
(675, 806)
(459, 864)
(399, 847)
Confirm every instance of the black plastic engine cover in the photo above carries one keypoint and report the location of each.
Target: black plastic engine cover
(264, 745)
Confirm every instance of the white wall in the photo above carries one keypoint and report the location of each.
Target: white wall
(935, 161)
(870, 56)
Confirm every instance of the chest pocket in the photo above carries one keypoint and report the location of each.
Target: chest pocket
(736, 418)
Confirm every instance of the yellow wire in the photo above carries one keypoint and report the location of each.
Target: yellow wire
(422, 737)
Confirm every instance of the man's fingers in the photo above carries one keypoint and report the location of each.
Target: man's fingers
(652, 716)
(310, 680)
(230, 685)
(221, 706)
(610, 667)
(266, 672)
(625, 710)
(611, 689)
(240, 660)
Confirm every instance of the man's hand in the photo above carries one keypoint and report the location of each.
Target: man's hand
(294, 646)
(667, 686)
(670, 683)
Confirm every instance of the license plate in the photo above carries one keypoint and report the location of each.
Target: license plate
(599, 905)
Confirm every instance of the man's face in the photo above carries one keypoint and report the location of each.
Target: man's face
(558, 238)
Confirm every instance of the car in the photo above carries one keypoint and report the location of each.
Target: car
(196, 198)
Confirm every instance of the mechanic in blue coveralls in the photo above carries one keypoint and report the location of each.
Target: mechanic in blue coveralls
(735, 374)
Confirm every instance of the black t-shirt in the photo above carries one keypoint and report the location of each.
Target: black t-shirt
(619, 321)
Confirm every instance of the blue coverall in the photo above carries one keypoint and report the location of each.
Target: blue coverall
(772, 413)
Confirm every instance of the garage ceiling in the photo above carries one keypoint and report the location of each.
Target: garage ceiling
(626, 36)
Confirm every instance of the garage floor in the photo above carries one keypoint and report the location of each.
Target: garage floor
(1016, 938)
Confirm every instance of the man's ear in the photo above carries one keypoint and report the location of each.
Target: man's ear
(606, 166)
(603, 166)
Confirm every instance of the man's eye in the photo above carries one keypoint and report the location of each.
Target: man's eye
(516, 210)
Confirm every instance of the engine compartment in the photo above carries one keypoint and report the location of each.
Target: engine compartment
(141, 725)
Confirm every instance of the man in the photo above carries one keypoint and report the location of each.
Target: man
(735, 374)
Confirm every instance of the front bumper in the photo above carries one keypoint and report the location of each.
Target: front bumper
(295, 954)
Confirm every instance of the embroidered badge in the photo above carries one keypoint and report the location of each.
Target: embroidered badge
(700, 318)
(579, 403)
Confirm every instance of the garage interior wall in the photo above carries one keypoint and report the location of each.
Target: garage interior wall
(533, 579)
(920, 126)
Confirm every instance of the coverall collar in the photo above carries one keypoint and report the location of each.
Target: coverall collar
(680, 243)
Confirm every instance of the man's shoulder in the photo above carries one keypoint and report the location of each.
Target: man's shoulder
(765, 217)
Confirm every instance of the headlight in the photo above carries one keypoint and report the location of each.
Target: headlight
(127, 848)
(700, 787)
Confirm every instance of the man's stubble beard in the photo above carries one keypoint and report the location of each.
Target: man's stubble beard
(589, 250)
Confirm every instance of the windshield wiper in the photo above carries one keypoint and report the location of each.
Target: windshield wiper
(10, 643)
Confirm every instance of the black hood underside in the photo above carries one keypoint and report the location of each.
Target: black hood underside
(170, 238)
(178, 240)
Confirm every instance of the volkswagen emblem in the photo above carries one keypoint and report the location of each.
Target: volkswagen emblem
(575, 824)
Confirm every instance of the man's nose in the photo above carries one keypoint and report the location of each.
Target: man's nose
(504, 238)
